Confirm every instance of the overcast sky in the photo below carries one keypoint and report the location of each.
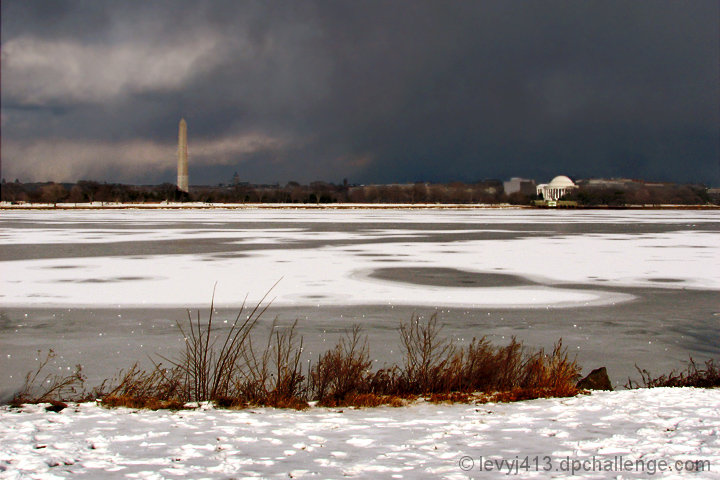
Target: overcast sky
(372, 91)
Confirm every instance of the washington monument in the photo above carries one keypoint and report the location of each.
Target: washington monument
(182, 181)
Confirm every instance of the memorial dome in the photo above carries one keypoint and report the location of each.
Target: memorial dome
(561, 181)
(556, 189)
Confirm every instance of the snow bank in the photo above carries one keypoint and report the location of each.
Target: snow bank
(623, 434)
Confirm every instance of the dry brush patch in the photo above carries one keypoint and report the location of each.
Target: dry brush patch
(232, 370)
(40, 387)
(693, 376)
(210, 369)
(274, 376)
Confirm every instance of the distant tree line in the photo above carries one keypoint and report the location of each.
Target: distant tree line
(490, 191)
(86, 191)
(639, 193)
(482, 192)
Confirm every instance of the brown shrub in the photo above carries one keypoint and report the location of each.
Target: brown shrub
(41, 388)
(230, 402)
(150, 403)
(519, 394)
(274, 375)
(427, 356)
(554, 372)
(364, 400)
(385, 380)
(693, 376)
(211, 372)
(450, 397)
(161, 383)
(342, 371)
(293, 403)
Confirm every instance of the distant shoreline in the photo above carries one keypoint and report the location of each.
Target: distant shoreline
(326, 206)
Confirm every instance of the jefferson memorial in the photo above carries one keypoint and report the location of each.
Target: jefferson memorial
(556, 189)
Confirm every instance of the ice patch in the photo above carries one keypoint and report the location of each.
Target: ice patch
(327, 275)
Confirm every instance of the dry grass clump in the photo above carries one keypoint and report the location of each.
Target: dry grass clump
(161, 388)
(273, 377)
(433, 365)
(374, 400)
(428, 360)
(435, 368)
(342, 375)
(520, 394)
(50, 388)
(452, 397)
(231, 370)
(210, 370)
(149, 403)
(708, 377)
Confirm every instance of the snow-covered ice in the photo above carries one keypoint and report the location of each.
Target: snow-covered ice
(330, 265)
(628, 434)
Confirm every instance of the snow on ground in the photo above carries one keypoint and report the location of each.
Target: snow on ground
(623, 434)
(337, 274)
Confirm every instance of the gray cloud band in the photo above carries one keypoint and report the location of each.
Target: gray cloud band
(417, 90)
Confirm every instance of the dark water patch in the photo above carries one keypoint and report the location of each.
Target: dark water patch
(142, 249)
(666, 280)
(62, 267)
(695, 247)
(434, 233)
(230, 255)
(107, 279)
(449, 277)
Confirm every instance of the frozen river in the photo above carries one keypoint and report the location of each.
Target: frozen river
(104, 288)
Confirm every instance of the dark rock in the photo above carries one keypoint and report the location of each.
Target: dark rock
(597, 380)
(56, 406)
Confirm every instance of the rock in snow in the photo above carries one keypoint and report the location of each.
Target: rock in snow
(596, 380)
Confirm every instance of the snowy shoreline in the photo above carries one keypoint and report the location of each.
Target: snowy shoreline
(634, 433)
(250, 206)
(322, 206)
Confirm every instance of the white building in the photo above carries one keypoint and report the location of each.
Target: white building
(556, 189)
(522, 185)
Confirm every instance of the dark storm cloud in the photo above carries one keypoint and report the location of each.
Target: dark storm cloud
(372, 91)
